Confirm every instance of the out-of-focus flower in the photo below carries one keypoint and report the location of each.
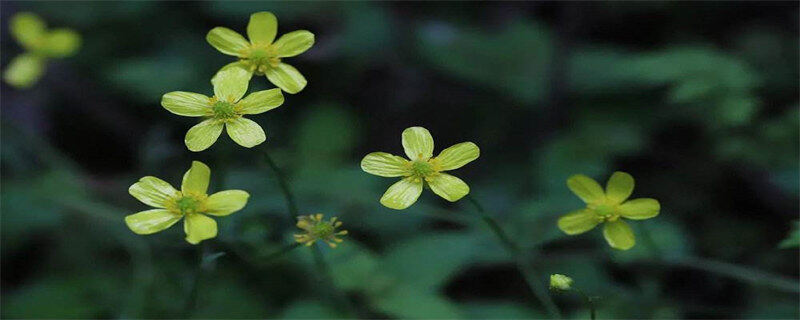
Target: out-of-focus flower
(607, 207)
(40, 44)
(315, 228)
(560, 282)
(192, 203)
(422, 170)
(225, 109)
(262, 56)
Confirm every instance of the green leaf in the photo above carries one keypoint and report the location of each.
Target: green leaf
(793, 239)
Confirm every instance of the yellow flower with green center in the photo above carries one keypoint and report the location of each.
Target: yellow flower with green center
(41, 44)
(421, 170)
(192, 203)
(608, 207)
(315, 228)
(262, 56)
(225, 109)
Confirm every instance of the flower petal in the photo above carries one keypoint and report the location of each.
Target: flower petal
(188, 104)
(152, 191)
(226, 202)
(195, 181)
(586, 188)
(203, 135)
(640, 209)
(262, 28)
(402, 194)
(230, 84)
(619, 187)
(448, 187)
(246, 132)
(227, 41)
(294, 43)
(260, 101)
(417, 143)
(385, 165)
(28, 29)
(151, 221)
(61, 43)
(458, 155)
(199, 227)
(619, 235)
(24, 70)
(578, 222)
(287, 78)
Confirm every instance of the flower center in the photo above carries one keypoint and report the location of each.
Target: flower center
(223, 110)
(604, 210)
(259, 59)
(187, 205)
(422, 168)
(322, 230)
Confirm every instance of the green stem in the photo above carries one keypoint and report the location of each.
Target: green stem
(191, 298)
(319, 261)
(589, 302)
(286, 249)
(521, 258)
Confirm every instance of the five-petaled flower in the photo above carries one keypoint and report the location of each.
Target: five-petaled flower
(607, 207)
(192, 203)
(41, 44)
(225, 109)
(421, 170)
(315, 228)
(262, 56)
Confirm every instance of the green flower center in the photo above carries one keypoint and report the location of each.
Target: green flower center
(223, 110)
(422, 168)
(604, 210)
(322, 230)
(187, 205)
(259, 59)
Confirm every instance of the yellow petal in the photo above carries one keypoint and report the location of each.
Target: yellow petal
(619, 187)
(417, 143)
(199, 227)
(28, 29)
(402, 194)
(152, 191)
(385, 165)
(261, 101)
(458, 155)
(151, 221)
(230, 84)
(246, 132)
(448, 187)
(24, 70)
(287, 78)
(61, 43)
(226, 202)
(619, 235)
(203, 135)
(586, 188)
(294, 43)
(640, 209)
(262, 28)
(188, 104)
(196, 180)
(578, 222)
(227, 41)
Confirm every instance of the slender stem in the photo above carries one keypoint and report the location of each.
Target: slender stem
(319, 261)
(589, 302)
(191, 298)
(286, 249)
(521, 259)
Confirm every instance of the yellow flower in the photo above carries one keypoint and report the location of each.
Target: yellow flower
(40, 44)
(607, 207)
(262, 56)
(192, 203)
(225, 109)
(317, 229)
(560, 282)
(421, 170)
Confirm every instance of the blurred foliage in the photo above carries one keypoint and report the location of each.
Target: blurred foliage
(698, 101)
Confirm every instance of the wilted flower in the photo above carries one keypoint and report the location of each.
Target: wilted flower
(262, 56)
(607, 207)
(40, 44)
(421, 170)
(315, 228)
(191, 203)
(225, 109)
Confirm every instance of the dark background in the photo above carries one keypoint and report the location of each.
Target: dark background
(698, 101)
